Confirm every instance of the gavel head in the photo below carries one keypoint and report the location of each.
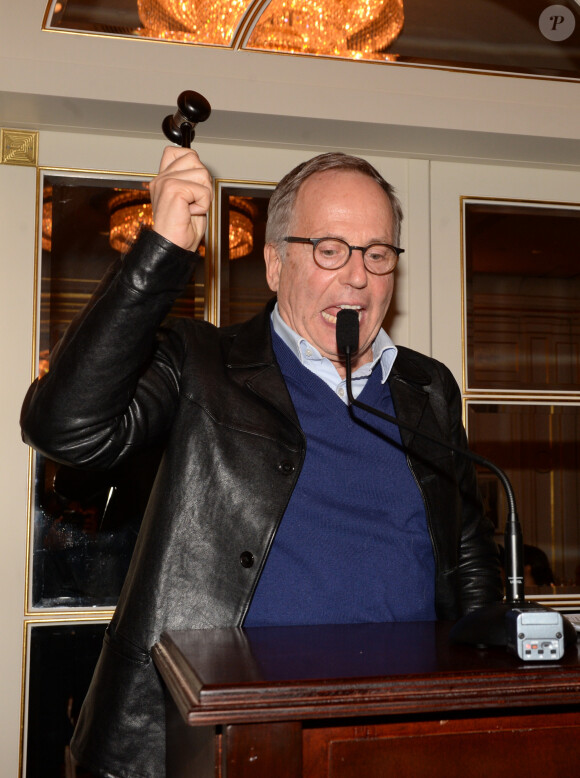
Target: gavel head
(192, 108)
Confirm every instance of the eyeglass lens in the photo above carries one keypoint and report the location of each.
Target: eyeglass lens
(333, 253)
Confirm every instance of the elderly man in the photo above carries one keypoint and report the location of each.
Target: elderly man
(275, 503)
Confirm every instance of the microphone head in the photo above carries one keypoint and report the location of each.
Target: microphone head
(347, 331)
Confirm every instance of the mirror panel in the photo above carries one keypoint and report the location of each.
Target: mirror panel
(522, 376)
(61, 660)
(522, 287)
(243, 290)
(84, 524)
(512, 36)
(538, 446)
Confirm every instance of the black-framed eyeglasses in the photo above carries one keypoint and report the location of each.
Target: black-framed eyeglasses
(334, 253)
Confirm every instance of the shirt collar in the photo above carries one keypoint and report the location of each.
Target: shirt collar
(383, 350)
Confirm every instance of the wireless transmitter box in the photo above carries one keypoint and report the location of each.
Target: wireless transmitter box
(535, 634)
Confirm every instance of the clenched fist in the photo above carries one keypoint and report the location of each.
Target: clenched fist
(181, 195)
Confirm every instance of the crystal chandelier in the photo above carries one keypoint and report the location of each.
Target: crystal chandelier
(334, 28)
(130, 210)
(341, 28)
(194, 21)
(241, 228)
(47, 218)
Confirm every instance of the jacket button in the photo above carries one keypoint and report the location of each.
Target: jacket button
(246, 559)
(286, 467)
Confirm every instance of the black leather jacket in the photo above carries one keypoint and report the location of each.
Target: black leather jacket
(233, 453)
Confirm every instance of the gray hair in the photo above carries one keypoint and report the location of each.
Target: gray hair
(283, 199)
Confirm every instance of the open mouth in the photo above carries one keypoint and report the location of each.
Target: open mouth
(331, 318)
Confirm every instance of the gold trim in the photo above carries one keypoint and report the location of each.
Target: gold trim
(47, 12)
(23, 699)
(72, 616)
(416, 65)
(211, 263)
(246, 27)
(36, 284)
(519, 201)
(463, 319)
(96, 172)
(553, 493)
(33, 374)
(19, 147)
(29, 523)
(562, 602)
(131, 37)
(521, 398)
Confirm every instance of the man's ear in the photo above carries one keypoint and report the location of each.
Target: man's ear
(273, 266)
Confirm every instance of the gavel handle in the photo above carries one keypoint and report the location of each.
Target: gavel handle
(186, 135)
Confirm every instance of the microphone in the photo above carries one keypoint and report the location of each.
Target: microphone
(347, 335)
(488, 625)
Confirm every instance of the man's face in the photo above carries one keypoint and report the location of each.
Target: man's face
(338, 204)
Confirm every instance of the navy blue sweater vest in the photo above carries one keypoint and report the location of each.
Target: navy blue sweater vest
(353, 545)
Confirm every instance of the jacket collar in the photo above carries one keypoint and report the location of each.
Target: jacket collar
(251, 345)
(252, 363)
(406, 368)
(410, 386)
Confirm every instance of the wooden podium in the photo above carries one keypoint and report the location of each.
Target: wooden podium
(364, 701)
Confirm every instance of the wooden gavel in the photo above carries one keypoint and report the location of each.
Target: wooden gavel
(192, 108)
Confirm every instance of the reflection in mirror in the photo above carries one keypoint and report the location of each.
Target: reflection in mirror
(84, 525)
(539, 448)
(243, 287)
(85, 528)
(485, 35)
(61, 660)
(522, 288)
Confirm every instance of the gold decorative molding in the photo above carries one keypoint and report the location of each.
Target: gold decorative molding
(19, 147)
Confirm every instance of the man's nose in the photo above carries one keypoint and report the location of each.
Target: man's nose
(354, 272)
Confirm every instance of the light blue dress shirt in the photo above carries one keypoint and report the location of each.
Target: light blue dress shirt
(383, 350)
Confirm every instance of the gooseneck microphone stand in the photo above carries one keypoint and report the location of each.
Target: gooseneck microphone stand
(485, 626)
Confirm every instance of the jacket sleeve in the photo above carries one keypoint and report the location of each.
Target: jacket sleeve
(113, 381)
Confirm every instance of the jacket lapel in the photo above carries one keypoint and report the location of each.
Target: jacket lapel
(410, 388)
(251, 363)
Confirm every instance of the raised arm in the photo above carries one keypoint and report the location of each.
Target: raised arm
(114, 378)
